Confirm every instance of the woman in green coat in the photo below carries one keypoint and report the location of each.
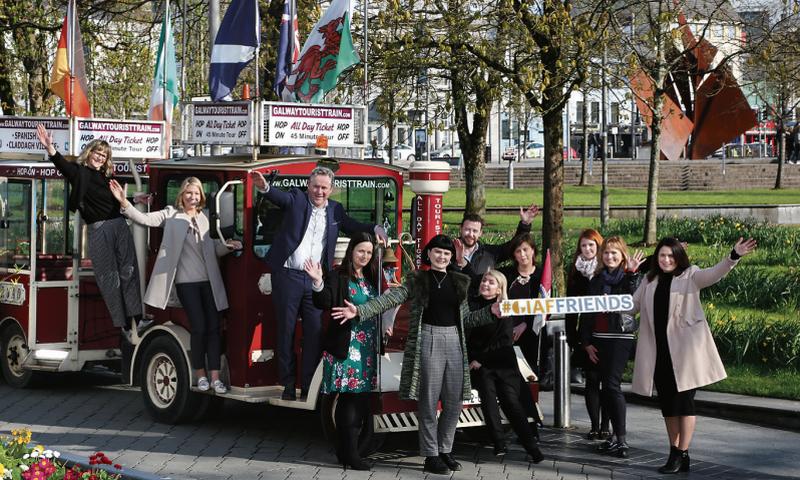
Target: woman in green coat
(435, 360)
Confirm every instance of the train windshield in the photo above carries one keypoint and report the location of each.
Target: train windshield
(366, 199)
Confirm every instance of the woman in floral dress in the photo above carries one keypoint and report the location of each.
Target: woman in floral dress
(350, 353)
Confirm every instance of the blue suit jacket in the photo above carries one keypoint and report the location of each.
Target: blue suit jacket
(297, 213)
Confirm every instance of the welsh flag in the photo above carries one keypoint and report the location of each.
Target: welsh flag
(68, 78)
(544, 291)
(164, 94)
(327, 53)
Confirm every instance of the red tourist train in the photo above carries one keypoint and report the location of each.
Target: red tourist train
(52, 317)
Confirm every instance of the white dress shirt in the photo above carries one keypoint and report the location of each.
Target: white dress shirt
(313, 242)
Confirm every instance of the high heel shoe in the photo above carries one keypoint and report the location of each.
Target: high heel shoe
(348, 450)
(678, 461)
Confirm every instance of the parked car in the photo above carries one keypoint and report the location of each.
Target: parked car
(573, 154)
(446, 152)
(534, 150)
(402, 154)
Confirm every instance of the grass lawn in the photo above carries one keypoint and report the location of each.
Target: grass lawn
(752, 380)
(590, 196)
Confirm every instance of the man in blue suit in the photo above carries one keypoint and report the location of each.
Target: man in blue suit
(310, 228)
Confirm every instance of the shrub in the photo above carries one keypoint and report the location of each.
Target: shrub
(756, 338)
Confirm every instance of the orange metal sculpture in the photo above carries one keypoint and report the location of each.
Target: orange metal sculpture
(704, 107)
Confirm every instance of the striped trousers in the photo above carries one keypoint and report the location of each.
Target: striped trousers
(441, 378)
(116, 272)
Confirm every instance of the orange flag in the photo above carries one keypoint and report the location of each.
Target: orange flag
(68, 78)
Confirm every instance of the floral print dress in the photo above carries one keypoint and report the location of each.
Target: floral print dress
(356, 373)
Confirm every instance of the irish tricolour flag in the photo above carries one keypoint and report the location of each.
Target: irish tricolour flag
(164, 94)
(327, 53)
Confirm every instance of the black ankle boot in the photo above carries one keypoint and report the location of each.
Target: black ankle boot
(678, 461)
(349, 449)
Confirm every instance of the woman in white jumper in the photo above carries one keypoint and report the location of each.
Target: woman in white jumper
(187, 258)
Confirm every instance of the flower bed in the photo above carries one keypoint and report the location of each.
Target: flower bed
(20, 461)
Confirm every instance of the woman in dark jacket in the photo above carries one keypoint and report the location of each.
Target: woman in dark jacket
(523, 282)
(494, 370)
(435, 358)
(110, 242)
(584, 266)
(607, 337)
(350, 356)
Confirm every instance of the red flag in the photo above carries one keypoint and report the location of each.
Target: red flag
(68, 78)
(544, 290)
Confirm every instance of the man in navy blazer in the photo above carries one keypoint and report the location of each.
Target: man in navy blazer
(310, 227)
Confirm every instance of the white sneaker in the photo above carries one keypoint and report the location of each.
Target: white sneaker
(143, 325)
(219, 387)
(202, 384)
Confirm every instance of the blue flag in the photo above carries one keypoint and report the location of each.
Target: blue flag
(236, 43)
(288, 47)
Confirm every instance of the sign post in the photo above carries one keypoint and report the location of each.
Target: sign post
(429, 180)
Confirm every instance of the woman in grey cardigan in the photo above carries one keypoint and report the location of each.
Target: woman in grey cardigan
(187, 258)
(435, 358)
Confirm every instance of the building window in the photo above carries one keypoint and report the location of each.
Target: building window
(615, 112)
(579, 112)
(595, 112)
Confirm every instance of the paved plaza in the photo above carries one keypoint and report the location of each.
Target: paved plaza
(81, 414)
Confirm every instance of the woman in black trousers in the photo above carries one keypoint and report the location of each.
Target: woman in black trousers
(494, 370)
(607, 337)
(584, 266)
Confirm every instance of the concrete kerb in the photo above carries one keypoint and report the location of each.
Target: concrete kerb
(127, 473)
(769, 412)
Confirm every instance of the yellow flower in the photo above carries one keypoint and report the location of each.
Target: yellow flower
(39, 447)
(2, 470)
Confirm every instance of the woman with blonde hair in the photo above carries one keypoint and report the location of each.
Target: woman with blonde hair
(494, 371)
(110, 242)
(607, 337)
(187, 260)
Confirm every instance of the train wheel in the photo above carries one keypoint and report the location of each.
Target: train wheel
(369, 442)
(165, 382)
(14, 350)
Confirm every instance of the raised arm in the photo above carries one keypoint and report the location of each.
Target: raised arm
(68, 169)
(705, 277)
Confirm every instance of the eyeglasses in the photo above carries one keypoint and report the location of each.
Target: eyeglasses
(100, 154)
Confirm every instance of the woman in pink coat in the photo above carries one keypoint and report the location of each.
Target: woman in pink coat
(676, 352)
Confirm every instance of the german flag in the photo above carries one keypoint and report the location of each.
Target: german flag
(68, 78)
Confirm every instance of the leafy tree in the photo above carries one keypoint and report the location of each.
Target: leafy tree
(773, 75)
(549, 44)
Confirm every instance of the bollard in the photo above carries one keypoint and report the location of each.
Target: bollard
(561, 386)
(511, 175)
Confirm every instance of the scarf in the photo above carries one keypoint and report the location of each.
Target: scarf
(611, 279)
(586, 267)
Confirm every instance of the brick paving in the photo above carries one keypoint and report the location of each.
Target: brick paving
(81, 414)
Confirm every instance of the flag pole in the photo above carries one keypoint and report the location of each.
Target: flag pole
(71, 55)
(164, 66)
(258, 50)
(366, 55)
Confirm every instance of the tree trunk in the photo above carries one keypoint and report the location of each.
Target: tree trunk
(651, 215)
(585, 130)
(781, 159)
(553, 207)
(6, 91)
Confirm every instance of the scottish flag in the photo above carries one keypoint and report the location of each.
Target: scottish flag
(236, 43)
